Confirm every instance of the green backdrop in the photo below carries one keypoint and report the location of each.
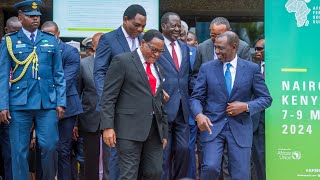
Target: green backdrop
(292, 32)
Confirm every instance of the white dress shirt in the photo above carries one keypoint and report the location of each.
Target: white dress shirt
(261, 66)
(176, 48)
(27, 33)
(233, 68)
(152, 67)
(128, 38)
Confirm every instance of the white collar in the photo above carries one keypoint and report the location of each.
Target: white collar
(125, 32)
(141, 56)
(27, 33)
(233, 62)
(167, 41)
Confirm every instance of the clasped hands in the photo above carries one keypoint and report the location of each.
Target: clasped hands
(233, 109)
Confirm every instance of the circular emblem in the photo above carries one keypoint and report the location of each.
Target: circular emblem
(296, 155)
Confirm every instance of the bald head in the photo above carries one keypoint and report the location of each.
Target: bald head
(95, 40)
(226, 45)
(232, 38)
(12, 25)
(51, 27)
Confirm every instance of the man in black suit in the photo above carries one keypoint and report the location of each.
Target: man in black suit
(89, 120)
(132, 109)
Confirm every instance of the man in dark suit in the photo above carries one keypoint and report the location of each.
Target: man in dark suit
(175, 61)
(132, 109)
(71, 67)
(222, 104)
(192, 125)
(89, 120)
(124, 39)
(206, 52)
(258, 149)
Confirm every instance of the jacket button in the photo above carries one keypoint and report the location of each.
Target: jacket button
(39, 78)
(18, 87)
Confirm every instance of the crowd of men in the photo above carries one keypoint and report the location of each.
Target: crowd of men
(142, 105)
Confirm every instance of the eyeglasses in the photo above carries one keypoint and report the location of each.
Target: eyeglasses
(154, 50)
(259, 48)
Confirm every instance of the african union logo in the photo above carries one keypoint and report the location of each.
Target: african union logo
(300, 10)
(296, 155)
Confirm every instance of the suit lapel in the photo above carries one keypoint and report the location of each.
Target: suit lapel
(160, 77)
(240, 73)
(136, 60)
(23, 38)
(122, 40)
(91, 64)
(220, 77)
(184, 55)
(39, 37)
(168, 56)
(210, 50)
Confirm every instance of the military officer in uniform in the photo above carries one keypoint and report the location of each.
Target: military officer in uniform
(37, 92)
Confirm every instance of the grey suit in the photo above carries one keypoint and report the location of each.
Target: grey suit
(89, 120)
(205, 53)
(138, 117)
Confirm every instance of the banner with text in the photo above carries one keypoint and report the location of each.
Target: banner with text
(292, 32)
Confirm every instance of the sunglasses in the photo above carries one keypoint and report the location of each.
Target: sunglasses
(259, 48)
(154, 50)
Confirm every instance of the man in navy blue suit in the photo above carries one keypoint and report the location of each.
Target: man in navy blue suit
(222, 104)
(176, 63)
(192, 125)
(124, 39)
(71, 67)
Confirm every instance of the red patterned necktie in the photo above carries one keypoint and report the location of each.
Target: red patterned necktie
(174, 56)
(151, 78)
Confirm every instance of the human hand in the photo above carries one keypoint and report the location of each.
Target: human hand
(203, 122)
(164, 143)
(109, 137)
(166, 96)
(75, 133)
(60, 112)
(5, 116)
(235, 108)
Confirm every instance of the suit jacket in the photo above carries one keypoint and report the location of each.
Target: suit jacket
(176, 83)
(205, 53)
(110, 45)
(48, 90)
(71, 67)
(127, 103)
(89, 120)
(210, 97)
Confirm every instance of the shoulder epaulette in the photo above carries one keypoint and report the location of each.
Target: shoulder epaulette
(47, 32)
(11, 33)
